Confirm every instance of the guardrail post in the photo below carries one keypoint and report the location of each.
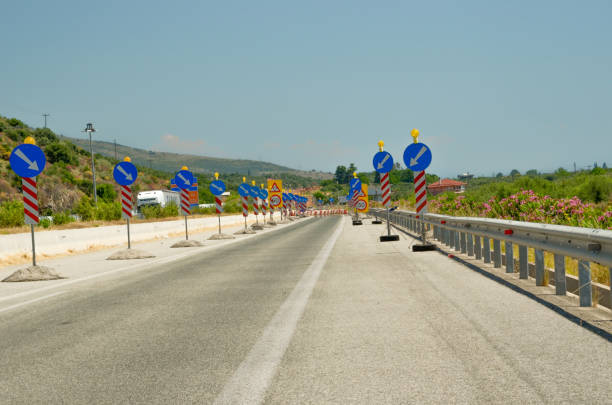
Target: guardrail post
(584, 280)
(470, 244)
(486, 245)
(445, 236)
(509, 258)
(457, 244)
(523, 262)
(451, 238)
(539, 267)
(477, 247)
(560, 288)
(463, 243)
(496, 253)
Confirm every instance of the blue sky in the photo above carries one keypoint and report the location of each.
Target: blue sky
(491, 85)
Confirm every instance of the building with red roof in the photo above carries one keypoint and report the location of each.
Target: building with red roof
(446, 185)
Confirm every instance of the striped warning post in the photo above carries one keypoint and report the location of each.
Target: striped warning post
(30, 200)
(126, 202)
(420, 192)
(256, 206)
(386, 190)
(264, 207)
(218, 204)
(185, 203)
(245, 206)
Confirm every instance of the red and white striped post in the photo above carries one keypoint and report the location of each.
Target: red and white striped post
(218, 205)
(126, 208)
(185, 209)
(385, 188)
(264, 206)
(30, 208)
(245, 209)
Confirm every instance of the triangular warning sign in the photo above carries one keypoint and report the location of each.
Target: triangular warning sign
(274, 188)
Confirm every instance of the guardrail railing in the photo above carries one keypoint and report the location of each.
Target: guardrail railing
(475, 237)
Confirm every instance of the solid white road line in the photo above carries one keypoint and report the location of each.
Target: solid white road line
(31, 301)
(250, 381)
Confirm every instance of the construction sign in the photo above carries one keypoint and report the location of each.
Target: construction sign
(275, 191)
(362, 203)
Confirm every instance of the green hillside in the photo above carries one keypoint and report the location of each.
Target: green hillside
(166, 161)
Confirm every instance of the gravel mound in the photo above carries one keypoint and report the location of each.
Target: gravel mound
(245, 232)
(187, 243)
(257, 227)
(221, 236)
(33, 273)
(129, 254)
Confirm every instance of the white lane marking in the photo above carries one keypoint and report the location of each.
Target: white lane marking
(142, 265)
(251, 379)
(30, 301)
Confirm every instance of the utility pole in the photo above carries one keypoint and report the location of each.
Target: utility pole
(115, 148)
(46, 115)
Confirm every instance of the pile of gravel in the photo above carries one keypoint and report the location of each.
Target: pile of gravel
(129, 254)
(187, 243)
(221, 236)
(33, 273)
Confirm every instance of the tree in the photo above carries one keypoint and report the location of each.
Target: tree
(351, 169)
(406, 176)
(499, 175)
(341, 175)
(376, 177)
(595, 165)
(59, 152)
(515, 173)
(531, 173)
(604, 165)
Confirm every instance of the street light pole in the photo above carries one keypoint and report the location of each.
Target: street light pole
(89, 129)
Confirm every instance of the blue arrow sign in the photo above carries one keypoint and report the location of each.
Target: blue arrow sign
(254, 191)
(383, 162)
(244, 190)
(217, 187)
(125, 173)
(355, 183)
(417, 157)
(184, 179)
(263, 193)
(331, 200)
(27, 160)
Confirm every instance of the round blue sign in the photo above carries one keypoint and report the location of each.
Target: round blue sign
(254, 191)
(417, 157)
(217, 187)
(125, 173)
(383, 162)
(355, 183)
(263, 193)
(184, 179)
(244, 190)
(331, 200)
(27, 160)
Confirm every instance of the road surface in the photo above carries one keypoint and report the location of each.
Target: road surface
(318, 312)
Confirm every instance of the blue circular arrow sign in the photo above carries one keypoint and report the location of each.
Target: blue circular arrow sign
(184, 179)
(417, 157)
(27, 160)
(383, 162)
(244, 190)
(254, 191)
(263, 193)
(217, 187)
(125, 173)
(331, 200)
(355, 183)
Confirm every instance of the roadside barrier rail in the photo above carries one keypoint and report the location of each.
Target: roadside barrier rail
(474, 236)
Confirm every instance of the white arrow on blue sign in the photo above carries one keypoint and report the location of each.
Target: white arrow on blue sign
(125, 173)
(417, 157)
(244, 190)
(355, 183)
(27, 160)
(383, 162)
(263, 193)
(217, 187)
(184, 179)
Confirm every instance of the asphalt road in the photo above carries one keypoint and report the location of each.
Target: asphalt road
(274, 319)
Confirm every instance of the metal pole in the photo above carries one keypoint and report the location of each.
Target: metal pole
(388, 225)
(93, 170)
(245, 224)
(219, 224)
(186, 233)
(33, 246)
(128, 229)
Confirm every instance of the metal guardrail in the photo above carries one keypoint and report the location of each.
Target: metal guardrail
(473, 236)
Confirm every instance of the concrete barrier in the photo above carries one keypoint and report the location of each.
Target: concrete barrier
(57, 242)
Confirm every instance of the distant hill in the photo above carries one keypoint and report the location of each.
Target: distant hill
(170, 162)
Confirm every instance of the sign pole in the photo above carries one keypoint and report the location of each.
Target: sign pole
(128, 231)
(33, 246)
(186, 232)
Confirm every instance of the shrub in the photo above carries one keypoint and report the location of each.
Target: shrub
(60, 152)
(44, 136)
(61, 218)
(11, 214)
(14, 122)
(106, 192)
(85, 209)
(108, 211)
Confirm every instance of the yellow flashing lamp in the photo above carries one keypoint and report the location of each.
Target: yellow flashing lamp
(29, 140)
(127, 159)
(216, 176)
(381, 144)
(415, 135)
